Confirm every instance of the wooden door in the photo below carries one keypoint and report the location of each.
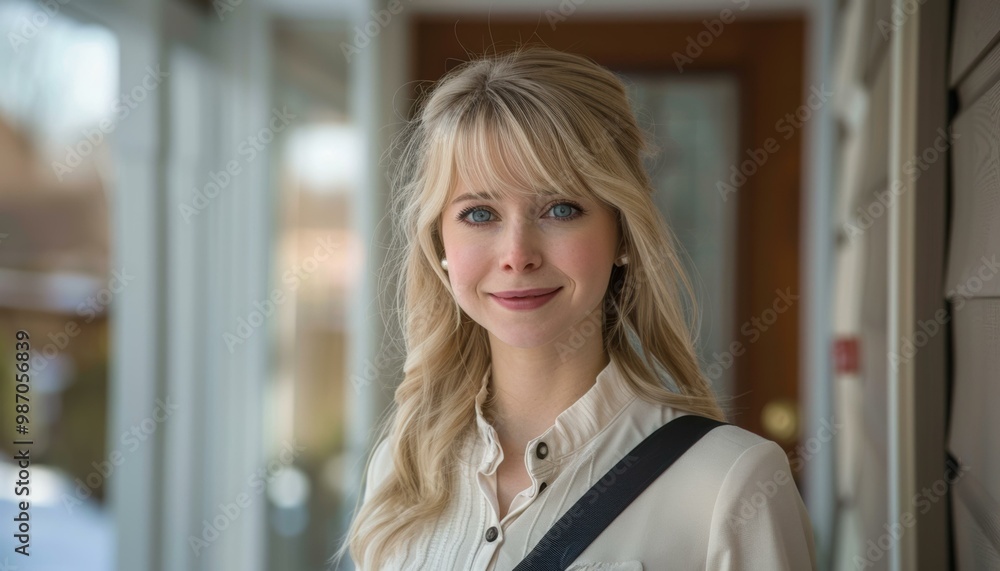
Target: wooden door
(766, 58)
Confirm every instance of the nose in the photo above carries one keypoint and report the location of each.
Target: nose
(520, 248)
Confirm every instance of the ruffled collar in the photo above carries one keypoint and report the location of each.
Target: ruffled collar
(573, 428)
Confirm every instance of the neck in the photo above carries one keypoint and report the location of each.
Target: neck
(530, 388)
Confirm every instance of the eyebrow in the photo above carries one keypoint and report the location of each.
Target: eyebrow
(491, 196)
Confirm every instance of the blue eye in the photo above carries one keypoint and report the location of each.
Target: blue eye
(566, 208)
(564, 211)
(476, 211)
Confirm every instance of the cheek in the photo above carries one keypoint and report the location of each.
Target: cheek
(588, 261)
(461, 255)
(468, 271)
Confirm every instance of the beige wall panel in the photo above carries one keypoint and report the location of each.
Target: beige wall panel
(975, 432)
(975, 226)
(977, 27)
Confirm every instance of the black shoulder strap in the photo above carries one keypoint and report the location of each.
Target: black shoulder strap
(609, 497)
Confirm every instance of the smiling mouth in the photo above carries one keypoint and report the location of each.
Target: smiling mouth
(528, 302)
(525, 294)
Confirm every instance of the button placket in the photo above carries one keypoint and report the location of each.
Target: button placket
(540, 470)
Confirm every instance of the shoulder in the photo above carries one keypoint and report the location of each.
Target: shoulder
(720, 450)
(732, 440)
(730, 499)
(744, 460)
(725, 464)
(758, 517)
(720, 464)
(734, 448)
(733, 458)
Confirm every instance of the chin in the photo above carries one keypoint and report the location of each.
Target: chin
(526, 337)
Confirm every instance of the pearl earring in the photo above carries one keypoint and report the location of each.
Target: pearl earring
(444, 264)
(621, 261)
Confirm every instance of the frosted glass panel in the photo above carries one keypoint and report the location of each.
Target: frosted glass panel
(695, 124)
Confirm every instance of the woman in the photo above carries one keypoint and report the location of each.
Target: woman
(545, 337)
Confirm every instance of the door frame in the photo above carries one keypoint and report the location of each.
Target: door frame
(767, 56)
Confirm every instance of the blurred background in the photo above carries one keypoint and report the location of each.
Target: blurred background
(193, 215)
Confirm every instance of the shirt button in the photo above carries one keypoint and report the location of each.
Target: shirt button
(542, 450)
(491, 533)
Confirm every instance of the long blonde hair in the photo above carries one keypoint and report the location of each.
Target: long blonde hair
(530, 118)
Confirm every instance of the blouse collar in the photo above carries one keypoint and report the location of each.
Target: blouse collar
(573, 428)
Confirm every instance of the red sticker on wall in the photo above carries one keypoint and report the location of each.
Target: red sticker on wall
(845, 355)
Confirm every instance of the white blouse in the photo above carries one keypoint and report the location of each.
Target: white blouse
(728, 503)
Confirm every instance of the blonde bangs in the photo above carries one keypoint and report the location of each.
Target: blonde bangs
(511, 156)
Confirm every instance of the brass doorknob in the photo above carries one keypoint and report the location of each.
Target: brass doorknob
(780, 419)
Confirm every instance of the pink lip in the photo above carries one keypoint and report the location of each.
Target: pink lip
(538, 298)
(524, 292)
